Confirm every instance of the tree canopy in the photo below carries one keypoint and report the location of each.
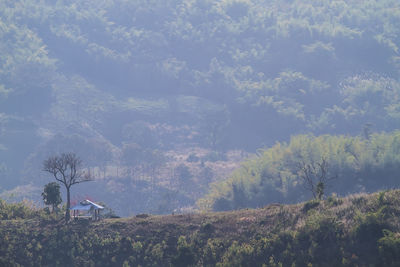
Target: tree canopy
(51, 195)
(358, 164)
(102, 75)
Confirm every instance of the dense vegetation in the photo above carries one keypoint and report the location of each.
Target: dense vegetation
(367, 163)
(162, 98)
(14, 211)
(360, 230)
(121, 83)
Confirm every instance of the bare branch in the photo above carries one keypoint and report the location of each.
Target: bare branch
(67, 169)
(315, 175)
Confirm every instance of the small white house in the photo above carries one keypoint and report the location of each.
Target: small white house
(86, 209)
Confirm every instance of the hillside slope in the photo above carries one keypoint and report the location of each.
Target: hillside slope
(123, 83)
(354, 164)
(358, 230)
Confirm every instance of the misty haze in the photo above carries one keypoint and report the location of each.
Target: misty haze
(187, 107)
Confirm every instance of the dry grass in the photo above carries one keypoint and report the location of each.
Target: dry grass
(272, 218)
(238, 225)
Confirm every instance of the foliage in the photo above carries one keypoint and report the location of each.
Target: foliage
(220, 75)
(274, 176)
(348, 234)
(389, 246)
(12, 211)
(51, 195)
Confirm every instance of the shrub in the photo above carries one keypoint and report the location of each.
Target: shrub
(185, 255)
(310, 205)
(21, 210)
(389, 249)
(333, 200)
(366, 233)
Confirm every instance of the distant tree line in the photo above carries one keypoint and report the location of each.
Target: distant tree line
(310, 167)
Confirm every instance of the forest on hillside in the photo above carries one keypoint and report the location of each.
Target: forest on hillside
(156, 96)
(276, 175)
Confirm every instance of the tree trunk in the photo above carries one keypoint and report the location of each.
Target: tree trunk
(67, 214)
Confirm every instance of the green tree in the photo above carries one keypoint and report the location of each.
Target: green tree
(185, 255)
(51, 195)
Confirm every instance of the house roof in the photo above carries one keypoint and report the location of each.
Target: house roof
(87, 205)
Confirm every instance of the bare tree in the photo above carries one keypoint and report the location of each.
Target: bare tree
(315, 176)
(67, 169)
